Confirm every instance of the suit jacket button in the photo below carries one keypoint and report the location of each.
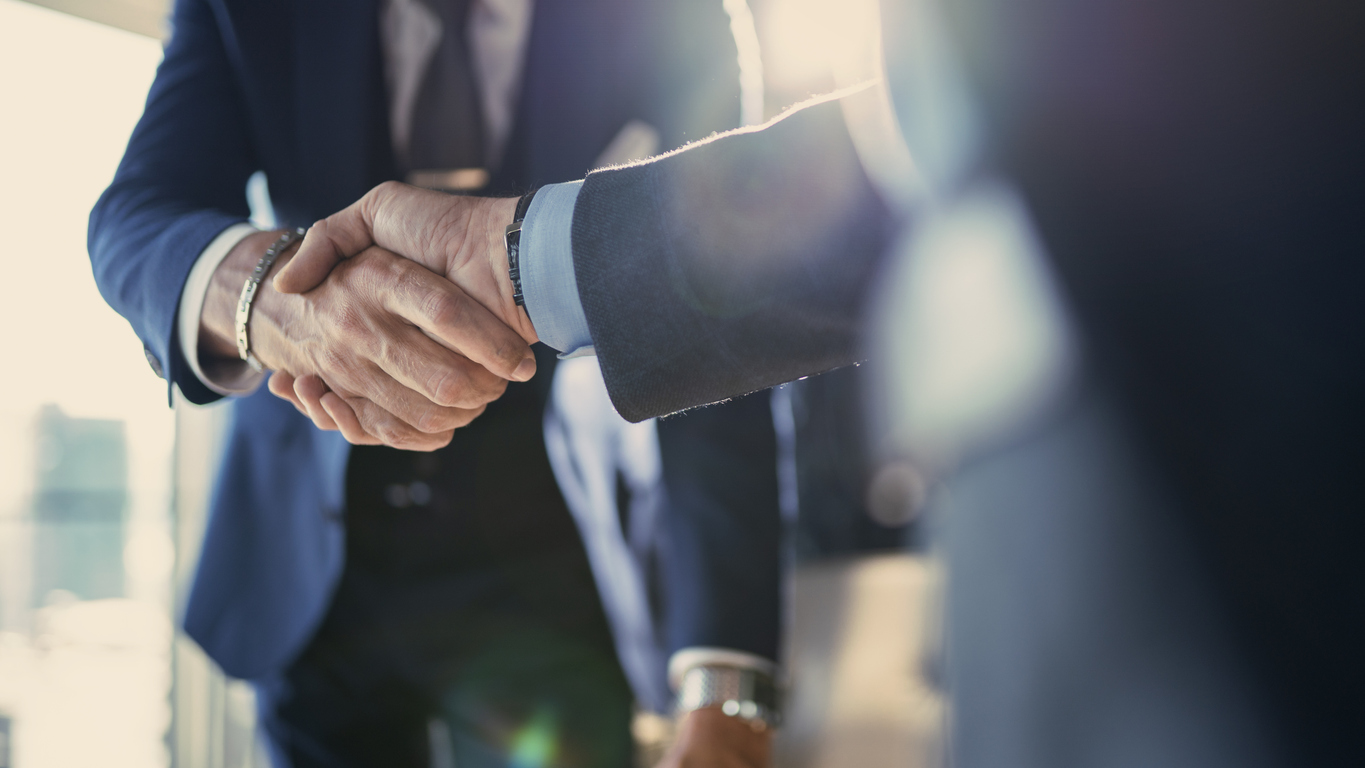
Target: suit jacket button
(420, 493)
(152, 361)
(397, 496)
(401, 496)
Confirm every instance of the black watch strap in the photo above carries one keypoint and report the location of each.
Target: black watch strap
(512, 240)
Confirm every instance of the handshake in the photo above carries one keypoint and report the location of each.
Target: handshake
(394, 320)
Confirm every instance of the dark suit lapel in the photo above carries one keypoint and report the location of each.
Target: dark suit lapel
(340, 103)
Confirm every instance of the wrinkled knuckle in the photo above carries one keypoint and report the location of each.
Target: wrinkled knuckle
(389, 434)
(431, 421)
(384, 189)
(445, 310)
(388, 353)
(448, 388)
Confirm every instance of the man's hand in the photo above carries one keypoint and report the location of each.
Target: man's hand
(459, 237)
(456, 236)
(708, 738)
(402, 350)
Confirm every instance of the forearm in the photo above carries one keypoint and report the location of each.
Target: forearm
(180, 184)
(747, 258)
(142, 252)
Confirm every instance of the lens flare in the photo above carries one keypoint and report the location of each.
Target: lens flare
(535, 744)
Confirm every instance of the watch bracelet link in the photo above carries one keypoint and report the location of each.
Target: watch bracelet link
(743, 693)
(249, 288)
(511, 239)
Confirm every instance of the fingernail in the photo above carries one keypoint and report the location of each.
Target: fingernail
(526, 370)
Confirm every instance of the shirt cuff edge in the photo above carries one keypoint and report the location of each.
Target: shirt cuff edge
(687, 658)
(230, 381)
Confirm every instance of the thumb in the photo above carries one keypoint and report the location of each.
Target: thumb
(357, 227)
(314, 260)
(339, 236)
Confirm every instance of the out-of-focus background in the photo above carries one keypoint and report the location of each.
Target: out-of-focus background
(86, 535)
(103, 487)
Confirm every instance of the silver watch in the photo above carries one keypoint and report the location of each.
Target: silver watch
(743, 693)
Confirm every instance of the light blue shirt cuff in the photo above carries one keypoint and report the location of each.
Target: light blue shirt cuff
(547, 278)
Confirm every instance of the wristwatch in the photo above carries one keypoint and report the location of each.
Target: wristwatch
(746, 694)
(511, 238)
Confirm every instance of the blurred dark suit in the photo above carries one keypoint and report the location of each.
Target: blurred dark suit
(1195, 173)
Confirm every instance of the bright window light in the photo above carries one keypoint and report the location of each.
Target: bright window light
(813, 42)
(84, 678)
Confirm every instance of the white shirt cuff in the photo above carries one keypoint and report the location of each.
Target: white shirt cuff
(700, 656)
(223, 377)
(547, 276)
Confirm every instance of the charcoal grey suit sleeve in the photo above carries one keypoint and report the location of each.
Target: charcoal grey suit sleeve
(730, 266)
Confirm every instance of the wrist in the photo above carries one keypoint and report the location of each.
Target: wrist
(498, 213)
(709, 737)
(217, 330)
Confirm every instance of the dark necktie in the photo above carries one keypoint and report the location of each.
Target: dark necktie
(447, 121)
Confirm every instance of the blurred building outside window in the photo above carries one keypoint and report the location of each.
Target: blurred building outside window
(86, 552)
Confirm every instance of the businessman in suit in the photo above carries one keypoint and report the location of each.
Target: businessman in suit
(367, 592)
(1186, 177)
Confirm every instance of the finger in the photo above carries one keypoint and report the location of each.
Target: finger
(425, 366)
(461, 323)
(344, 417)
(315, 258)
(443, 377)
(393, 215)
(310, 389)
(378, 423)
(281, 385)
(414, 409)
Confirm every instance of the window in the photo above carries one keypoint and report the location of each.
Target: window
(86, 553)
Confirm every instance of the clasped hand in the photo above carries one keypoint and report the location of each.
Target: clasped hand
(394, 322)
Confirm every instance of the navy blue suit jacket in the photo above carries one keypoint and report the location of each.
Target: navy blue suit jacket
(296, 89)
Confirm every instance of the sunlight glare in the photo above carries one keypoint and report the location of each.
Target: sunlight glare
(810, 41)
